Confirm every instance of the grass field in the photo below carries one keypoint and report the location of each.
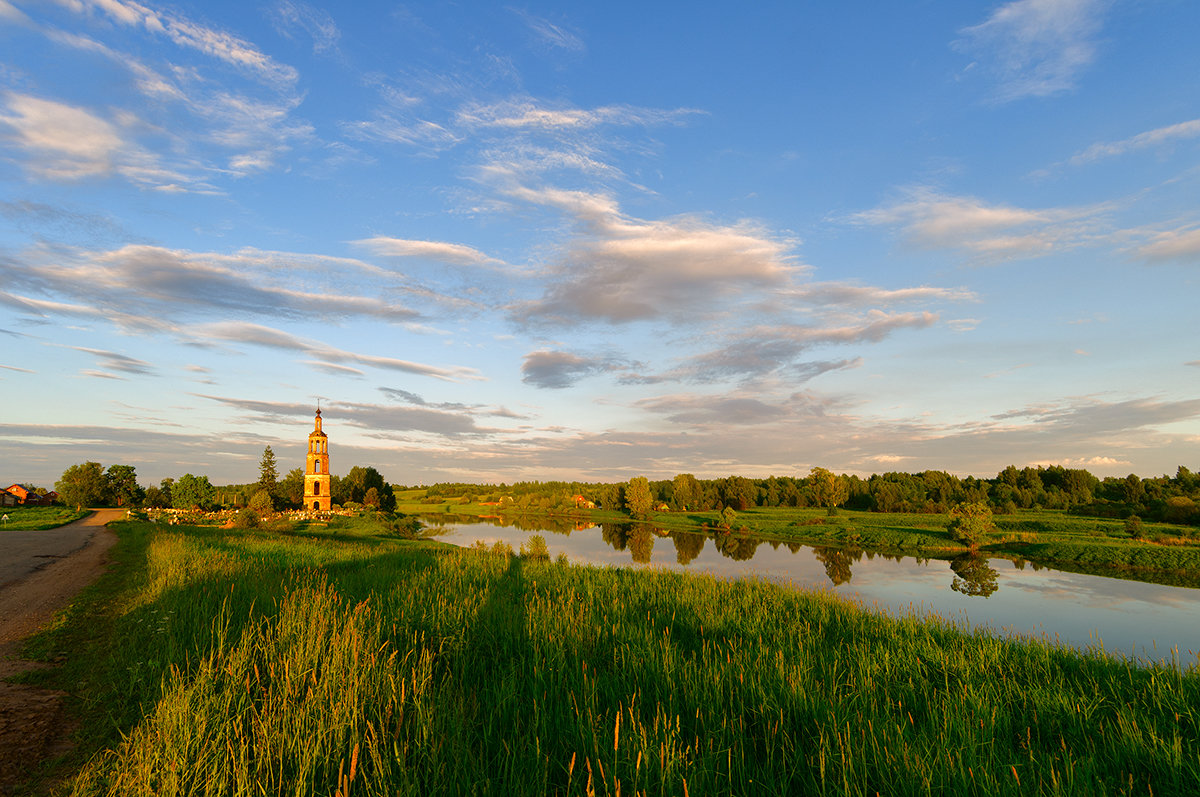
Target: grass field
(342, 660)
(38, 518)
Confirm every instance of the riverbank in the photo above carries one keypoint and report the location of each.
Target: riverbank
(345, 658)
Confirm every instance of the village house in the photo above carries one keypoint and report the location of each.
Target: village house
(27, 497)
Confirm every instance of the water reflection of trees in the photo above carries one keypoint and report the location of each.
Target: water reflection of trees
(638, 538)
(973, 576)
(641, 544)
(737, 547)
(558, 524)
(616, 534)
(688, 546)
(837, 562)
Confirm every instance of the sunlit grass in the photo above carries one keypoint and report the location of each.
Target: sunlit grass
(247, 664)
(38, 518)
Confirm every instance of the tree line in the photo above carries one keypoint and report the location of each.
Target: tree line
(90, 484)
(1174, 499)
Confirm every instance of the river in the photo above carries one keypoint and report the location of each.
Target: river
(1151, 622)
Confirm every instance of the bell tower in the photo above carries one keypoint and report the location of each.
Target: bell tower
(316, 470)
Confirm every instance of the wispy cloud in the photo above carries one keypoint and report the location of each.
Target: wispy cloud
(11, 14)
(1036, 48)
(376, 418)
(440, 251)
(223, 46)
(931, 220)
(1158, 137)
(556, 36)
(259, 130)
(260, 335)
(528, 114)
(854, 294)
(763, 350)
(115, 361)
(137, 282)
(1182, 243)
(292, 17)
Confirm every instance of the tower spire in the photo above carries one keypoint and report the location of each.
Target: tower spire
(316, 471)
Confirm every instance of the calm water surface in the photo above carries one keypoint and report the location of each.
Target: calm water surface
(1148, 621)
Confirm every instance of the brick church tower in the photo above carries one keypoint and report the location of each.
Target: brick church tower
(316, 470)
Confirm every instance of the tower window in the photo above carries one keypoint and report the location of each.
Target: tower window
(316, 488)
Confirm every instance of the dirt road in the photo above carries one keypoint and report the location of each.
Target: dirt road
(40, 572)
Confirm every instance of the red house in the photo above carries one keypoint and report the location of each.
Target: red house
(28, 497)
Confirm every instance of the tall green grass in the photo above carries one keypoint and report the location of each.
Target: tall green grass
(229, 664)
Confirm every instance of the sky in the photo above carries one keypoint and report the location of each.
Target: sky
(590, 241)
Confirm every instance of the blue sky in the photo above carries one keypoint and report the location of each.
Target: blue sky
(592, 241)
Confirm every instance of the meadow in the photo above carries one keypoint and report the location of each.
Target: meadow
(343, 660)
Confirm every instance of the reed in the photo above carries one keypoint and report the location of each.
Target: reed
(232, 664)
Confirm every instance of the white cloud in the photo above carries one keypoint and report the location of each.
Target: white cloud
(63, 142)
(1036, 48)
(617, 269)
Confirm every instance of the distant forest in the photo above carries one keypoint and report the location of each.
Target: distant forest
(1172, 499)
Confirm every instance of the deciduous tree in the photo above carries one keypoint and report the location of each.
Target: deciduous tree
(686, 491)
(84, 485)
(192, 492)
(123, 486)
(828, 490)
(638, 500)
(970, 522)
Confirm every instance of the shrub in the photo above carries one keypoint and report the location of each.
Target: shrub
(537, 548)
(1133, 525)
(1180, 509)
(262, 503)
(245, 519)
